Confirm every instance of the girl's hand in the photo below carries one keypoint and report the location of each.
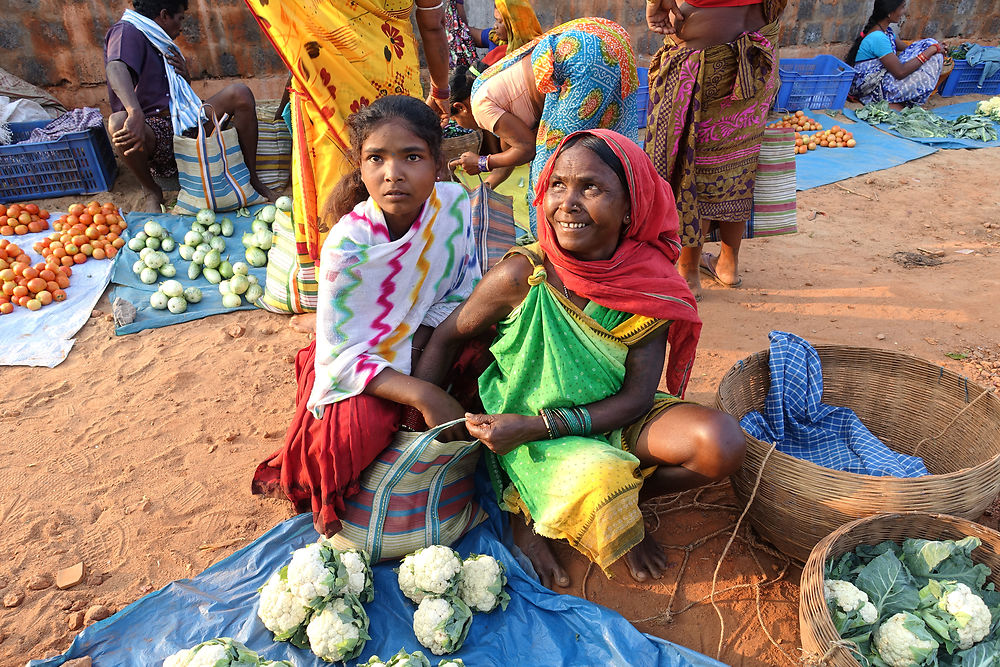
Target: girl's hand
(663, 16)
(468, 161)
(932, 50)
(438, 407)
(503, 433)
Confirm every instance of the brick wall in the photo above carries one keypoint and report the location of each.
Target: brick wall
(59, 45)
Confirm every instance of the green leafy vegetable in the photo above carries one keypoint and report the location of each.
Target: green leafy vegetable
(888, 585)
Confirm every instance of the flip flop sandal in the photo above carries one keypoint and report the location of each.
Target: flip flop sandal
(708, 268)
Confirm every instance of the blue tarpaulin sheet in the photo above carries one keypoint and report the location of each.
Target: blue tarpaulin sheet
(950, 112)
(539, 627)
(128, 286)
(875, 151)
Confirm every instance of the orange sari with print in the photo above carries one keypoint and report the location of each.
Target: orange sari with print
(342, 56)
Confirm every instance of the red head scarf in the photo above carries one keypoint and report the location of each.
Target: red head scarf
(640, 278)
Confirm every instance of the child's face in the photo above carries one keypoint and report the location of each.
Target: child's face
(399, 171)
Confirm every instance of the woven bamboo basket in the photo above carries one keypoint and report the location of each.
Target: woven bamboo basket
(913, 406)
(815, 626)
(453, 147)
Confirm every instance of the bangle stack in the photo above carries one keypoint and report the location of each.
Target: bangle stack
(921, 58)
(484, 163)
(560, 422)
(440, 93)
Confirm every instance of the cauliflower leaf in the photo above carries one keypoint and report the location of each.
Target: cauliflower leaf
(888, 585)
(944, 560)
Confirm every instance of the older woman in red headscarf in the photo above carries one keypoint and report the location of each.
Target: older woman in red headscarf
(579, 433)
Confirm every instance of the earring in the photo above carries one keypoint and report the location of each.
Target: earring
(626, 221)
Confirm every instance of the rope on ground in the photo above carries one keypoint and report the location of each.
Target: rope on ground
(715, 575)
(658, 507)
(817, 660)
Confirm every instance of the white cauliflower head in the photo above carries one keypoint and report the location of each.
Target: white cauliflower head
(404, 659)
(219, 652)
(442, 623)
(339, 629)
(481, 583)
(433, 570)
(280, 611)
(970, 618)
(308, 576)
(359, 574)
(849, 598)
(320, 569)
(904, 641)
(451, 662)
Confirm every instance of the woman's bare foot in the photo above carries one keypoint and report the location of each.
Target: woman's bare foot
(306, 322)
(264, 191)
(646, 560)
(152, 201)
(539, 551)
(687, 266)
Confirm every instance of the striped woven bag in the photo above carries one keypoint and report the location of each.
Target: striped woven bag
(211, 171)
(291, 285)
(274, 150)
(774, 193)
(418, 492)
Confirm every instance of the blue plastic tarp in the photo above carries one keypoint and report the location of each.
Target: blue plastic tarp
(128, 286)
(875, 151)
(539, 627)
(950, 112)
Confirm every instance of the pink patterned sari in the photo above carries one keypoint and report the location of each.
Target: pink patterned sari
(706, 122)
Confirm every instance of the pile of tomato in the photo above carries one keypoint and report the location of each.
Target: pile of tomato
(22, 219)
(835, 137)
(32, 287)
(87, 230)
(798, 121)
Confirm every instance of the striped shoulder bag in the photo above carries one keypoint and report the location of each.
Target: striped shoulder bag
(418, 492)
(211, 171)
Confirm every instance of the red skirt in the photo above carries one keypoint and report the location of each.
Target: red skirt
(321, 461)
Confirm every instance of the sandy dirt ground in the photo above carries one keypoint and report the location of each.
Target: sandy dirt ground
(134, 456)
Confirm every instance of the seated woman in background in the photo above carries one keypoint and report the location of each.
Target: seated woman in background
(578, 76)
(883, 72)
(584, 317)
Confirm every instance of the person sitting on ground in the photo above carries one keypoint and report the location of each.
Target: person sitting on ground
(580, 434)
(883, 71)
(150, 105)
(398, 262)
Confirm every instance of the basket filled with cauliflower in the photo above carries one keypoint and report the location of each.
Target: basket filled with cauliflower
(903, 590)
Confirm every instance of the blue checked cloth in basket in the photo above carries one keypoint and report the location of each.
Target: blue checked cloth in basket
(804, 427)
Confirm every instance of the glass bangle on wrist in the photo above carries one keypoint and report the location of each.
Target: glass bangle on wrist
(484, 163)
(440, 93)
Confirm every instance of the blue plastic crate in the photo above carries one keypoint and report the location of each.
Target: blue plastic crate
(76, 163)
(964, 80)
(643, 95)
(822, 82)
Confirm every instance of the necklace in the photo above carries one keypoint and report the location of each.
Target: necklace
(565, 291)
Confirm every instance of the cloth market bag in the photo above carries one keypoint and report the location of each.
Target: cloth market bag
(492, 224)
(291, 285)
(274, 150)
(418, 492)
(211, 171)
(774, 211)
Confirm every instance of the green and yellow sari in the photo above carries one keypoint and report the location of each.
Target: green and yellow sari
(549, 354)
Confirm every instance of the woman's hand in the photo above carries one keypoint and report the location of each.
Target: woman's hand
(663, 16)
(932, 51)
(503, 433)
(441, 107)
(468, 161)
